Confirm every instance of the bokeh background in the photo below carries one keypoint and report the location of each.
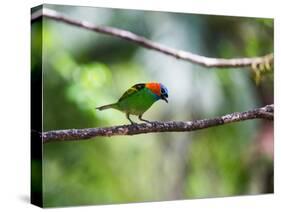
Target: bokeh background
(83, 70)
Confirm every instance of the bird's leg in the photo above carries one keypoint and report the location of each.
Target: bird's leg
(128, 117)
(140, 118)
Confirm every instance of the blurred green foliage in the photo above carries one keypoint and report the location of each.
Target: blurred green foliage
(83, 70)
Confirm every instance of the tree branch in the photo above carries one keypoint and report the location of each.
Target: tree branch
(142, 41)
(154, 127)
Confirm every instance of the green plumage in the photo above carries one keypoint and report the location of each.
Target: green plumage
(135, 101)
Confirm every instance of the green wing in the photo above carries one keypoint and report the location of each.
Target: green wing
(132, 91)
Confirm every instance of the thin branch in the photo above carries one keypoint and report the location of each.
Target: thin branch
(144, 42)
(154, 127)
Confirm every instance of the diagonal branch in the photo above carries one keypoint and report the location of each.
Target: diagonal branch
(154, 127)
(146, 43)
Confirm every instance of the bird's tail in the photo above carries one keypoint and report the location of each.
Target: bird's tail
(107, 106)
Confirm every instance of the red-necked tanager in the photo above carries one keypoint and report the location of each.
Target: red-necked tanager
(139, 99)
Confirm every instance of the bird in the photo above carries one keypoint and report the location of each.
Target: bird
(138, 99)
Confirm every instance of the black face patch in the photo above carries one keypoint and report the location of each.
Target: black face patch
(139, 86)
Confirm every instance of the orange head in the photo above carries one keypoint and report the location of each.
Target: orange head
(159, 89)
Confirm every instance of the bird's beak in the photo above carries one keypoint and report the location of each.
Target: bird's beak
(165, 98)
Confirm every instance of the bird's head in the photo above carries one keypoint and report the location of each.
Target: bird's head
(159, 90)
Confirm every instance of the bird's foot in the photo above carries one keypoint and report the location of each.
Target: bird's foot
(133, 123)
(147, 121)
(128, 117)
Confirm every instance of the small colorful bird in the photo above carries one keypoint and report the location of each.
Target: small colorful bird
(139, 99)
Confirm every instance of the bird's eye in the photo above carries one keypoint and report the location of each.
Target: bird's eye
(162, 90)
